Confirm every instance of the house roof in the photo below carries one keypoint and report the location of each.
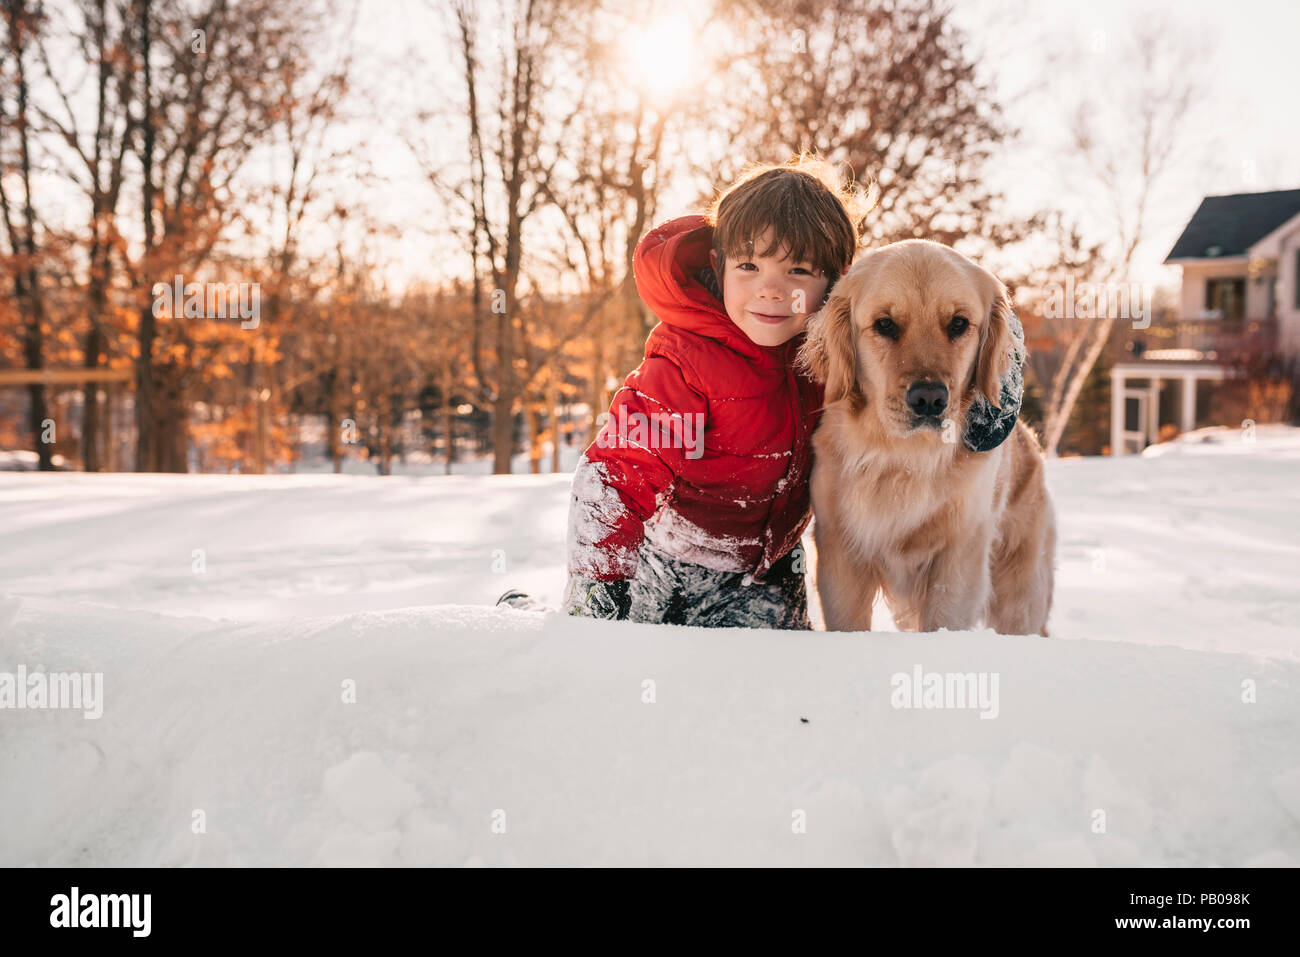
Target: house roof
(1234, 223)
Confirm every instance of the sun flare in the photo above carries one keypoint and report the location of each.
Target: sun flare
(660, 60)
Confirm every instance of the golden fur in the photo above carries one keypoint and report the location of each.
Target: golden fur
(956, 539)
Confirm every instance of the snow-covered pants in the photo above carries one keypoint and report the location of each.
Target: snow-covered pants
(670, 591)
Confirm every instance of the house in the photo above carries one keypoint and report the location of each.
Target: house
(1240, 304)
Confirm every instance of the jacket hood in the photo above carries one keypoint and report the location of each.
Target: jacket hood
(666, 267)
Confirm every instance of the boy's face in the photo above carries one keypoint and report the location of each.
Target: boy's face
(770, 297)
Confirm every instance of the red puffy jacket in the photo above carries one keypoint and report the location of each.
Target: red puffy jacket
(739, 502)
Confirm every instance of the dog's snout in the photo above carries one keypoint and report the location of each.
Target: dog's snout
(927, 398)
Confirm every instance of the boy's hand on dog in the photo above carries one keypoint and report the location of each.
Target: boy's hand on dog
(587, 598)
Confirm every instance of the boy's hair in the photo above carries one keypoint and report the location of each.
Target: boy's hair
(813, 215)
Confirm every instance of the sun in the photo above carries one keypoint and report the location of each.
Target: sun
(660, 60)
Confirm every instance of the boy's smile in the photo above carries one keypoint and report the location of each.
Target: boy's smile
(769, 297)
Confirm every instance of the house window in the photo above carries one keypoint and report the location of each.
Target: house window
(1133, 414)
(1227, 297)
(1296, 284)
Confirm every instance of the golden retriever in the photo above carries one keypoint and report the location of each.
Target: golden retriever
(956, 539)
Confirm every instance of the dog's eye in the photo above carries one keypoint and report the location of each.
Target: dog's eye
(886, 327)
(957, 326)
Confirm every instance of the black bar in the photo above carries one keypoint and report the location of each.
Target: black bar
(334, 906)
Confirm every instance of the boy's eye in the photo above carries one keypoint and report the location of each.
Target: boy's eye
(804, 270)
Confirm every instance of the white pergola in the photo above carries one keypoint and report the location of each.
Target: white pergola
(1155, 371)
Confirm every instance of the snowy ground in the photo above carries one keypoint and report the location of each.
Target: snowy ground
(230, 614)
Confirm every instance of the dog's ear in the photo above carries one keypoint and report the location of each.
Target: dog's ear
(828, 353)
(995, 347)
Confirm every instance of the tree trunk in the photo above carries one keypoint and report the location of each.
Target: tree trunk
(261, 429)
(108, 440)
(553, 407)
(257, 377)
(146, 449)
(449, 431)
(38, 407)
(26, 279)
(1054, 430)
(332, 423)
(596, 391)
(34, 353)
(170, 421)
(90, 429)
(533, 424)
(38, 413)
(147, 457)
(503, 432)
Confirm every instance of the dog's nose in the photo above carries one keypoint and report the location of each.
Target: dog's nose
(927, 398)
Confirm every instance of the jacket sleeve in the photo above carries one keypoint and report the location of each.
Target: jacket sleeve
(986, 426)
(656, 424)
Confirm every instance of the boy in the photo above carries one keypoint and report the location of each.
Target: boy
(689, 506)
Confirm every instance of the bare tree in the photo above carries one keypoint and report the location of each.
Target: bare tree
(96, 154)
(210, 90)
(22, 27)
(883, 87)
(307, 110)
(515, 135)
(1129, 134)
(610, 207)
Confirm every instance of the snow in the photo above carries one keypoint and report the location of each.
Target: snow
(1224, 440)
(333, 686)
(595, 508)
(678, 537)
(22, 460)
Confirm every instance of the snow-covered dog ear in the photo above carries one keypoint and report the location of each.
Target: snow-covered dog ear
(995, 346)
(828, 352)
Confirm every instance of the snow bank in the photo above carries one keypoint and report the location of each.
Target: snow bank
(591, 743)
(309, 668)
(1278, 440)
